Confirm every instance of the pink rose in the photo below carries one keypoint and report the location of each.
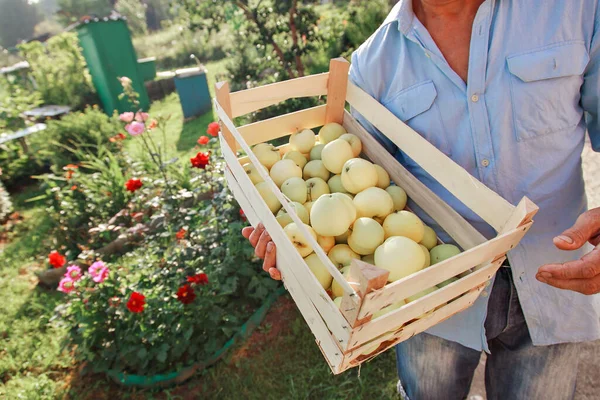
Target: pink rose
(141, 116)
(66, 285)
(98, 271)
(125, 81)
(73, 273)
(126, 117)
(135, 128)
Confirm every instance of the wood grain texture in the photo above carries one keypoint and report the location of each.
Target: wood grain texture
(247, 101)
(336, 90)
(483, 201)
(224, 100)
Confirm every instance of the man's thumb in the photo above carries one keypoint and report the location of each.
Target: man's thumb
(576, 236)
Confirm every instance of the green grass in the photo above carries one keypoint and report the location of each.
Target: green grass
(282, 361)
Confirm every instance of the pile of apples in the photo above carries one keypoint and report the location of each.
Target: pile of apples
(349, 206)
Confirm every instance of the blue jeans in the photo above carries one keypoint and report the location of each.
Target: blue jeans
(433, 368)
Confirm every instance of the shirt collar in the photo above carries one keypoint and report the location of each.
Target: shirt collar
(403, 13)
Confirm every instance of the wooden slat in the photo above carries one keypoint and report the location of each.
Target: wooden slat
(327, 343)
(452, 222)
(415, 309)
(247, 101)
(355, 356)
(524, 213)
(440, 272)
(224, 99)
(335, 273)
(336, 90)
(273, 128)
(296, 266)
(483, 201)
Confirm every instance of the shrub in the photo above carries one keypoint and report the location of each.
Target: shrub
(135, 12)
(66, 140)
(59, 70)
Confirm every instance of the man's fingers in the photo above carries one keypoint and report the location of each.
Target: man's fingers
(270, 257)
(586, 227)
(275, 274)
(256, 234)
(247, 231)
(584, 286)
(261, 247)
(586, 268)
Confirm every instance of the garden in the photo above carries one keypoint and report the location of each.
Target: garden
(124, 273)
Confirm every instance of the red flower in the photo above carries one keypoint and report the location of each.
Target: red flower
(136, 302)
(213, 129)
(133, 184)
(153, 124)
(181, 234)
(56, 259)
(186, 294)
(74, 187)
(198, 279)
(201, 160)
(203, 140)
(118, 137)
(242, 215)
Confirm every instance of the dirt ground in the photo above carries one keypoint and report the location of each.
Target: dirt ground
(588, 380)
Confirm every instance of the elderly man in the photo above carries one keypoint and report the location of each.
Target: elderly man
(506, 88)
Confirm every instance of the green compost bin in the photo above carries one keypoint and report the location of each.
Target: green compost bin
(147, 68)
(192, 88)
(109, 54)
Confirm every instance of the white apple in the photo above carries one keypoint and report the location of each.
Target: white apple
(330, 215)
(315, 152)
(423, 293)
(303, 141)
(354, 142)
(427, 262)
(371, 348)
(373, 202)
(298, 240)
(284, 218)
(283, 170)
(308, 205)
(366, 236)
(383, 178)
(343, 238)
(398, 195)
(338, 301)
(401, 256)
(404, 223)
(335, 154)
(267, 154)
(341, 255)
(316, 169)
(442, 252)
(297, 157)
(335, 184)
(268, 196)
(387, 309)
(330, 132)
(336, 288)
(369, 259)
(447, 282)
(253, 173)
(358, 174)
(315, 188)
(295, 189)
(319, 270)
(429, 238)
(326, 242)
(347, 200)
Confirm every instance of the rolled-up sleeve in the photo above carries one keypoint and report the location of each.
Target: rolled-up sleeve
(356, 78)
(590, 91)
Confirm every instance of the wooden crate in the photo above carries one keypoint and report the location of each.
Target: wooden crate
(348, 336)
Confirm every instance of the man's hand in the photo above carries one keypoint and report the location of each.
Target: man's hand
(264, 248)
(582, 275)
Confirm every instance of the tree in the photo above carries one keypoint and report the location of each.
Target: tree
(17, 21)
(281, 30)
(135, 12)
(72, 10)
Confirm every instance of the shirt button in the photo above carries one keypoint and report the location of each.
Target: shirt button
(475, 98)
(485, 162)
(427, 55)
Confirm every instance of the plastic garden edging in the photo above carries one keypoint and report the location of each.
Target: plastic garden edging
(171, 378)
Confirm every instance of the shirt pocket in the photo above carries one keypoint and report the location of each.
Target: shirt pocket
(416, 106)
(545, 89)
